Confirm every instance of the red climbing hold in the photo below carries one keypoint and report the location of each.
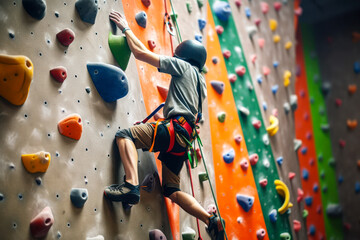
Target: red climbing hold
(244, 164)
(227, 54)
(151, 44)
(66, 37)
(264, 7)
(59, 74)
(257, 21)
(257, 124)
(300, 194)
(253, 158)
(146, 3)
(342, 143)
(253, 58)
(266, 70)
(297, 225)
(238, 139)
(163, 91)
(71, 126)
(219, 29)
(347, 226)
(240, 71)
(232, 78)
(277, 6)
(40, 225)
(298, 11)
(291, 175)
(238, 3)
(338, 102)
(263, 182)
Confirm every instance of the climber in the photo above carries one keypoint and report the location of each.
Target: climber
(186, 93)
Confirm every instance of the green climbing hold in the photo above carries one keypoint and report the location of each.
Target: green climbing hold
(189, 7)
(221, 117)
(120, 50)
(200, 3)
(173, 17)
(285, 236)
(203, 177)
(305, 213)
(188, 234)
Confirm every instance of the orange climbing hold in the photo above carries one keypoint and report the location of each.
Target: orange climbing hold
(352, 88)
(355, 37)
(71, 126)
(352, 123)
(16, 73)
(163, 91)
(36, 162)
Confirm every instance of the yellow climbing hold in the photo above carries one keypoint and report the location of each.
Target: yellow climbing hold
(274, 126)
(16, 73)
(36, 162)
(283, 191)
(288, 45)
(276, 38)
(287, 76)
(273, 24)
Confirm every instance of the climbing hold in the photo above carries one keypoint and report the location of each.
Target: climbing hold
(291, 175)
(277, 6)
(285, 236)
(203, 177)
(305, 213)
(156, 234)
(256, 123)
(232, 78)
(215, 60)
(318, 209)
(218, 86)
(264, 104)
(276, 38)
(357, 67)
(342, 143)
(65, 37)
(274, 89)
(257, 21)
(229, 156)
(41, 223)
(340, 179)
(188, 7)
(98, 237)
(36, 162)
(263, 182)
(280, 160)
(35, 8)
(266, 163)
(59, 74)
(240, 70)
(293, 102)
(287, 76)
(283, 191)
(352, 88)
(312, 230)
(276, 64)
(188, 234)
(315, 187)
(244, 164)
(305, 174)
(266, 70)
(226, 54)
(238, 3)
(261, 42)
(264, 7)
(146, 3)
(273, 215)
(248, 12)
(221, 117)
(151, 44)
(219, 29)
(38, 181)
(71, 126)
(325, 88)
(200, 3)
(148, 184)
(245, 201)
(1, 197)
(273, 24)
(198, 38)
(309, 201)
(202, 24)
(357, 187)
(297, 225)
(251, 30)
(253, 58)
(334, 210)
(304, 150)
(222, 10)
(260, 234)
(297, 144)
(16, 73)
(163, 91)
(253, 158)
(274, 126)
(298, 11)
(286, 107)
(141, 19)
(259, 79)
(120, 50)
(211, 209)
(288, 45)
(79, 196)
(325, 127)
(110, 81)
(351, 124)
(244, 111)
(87, 10)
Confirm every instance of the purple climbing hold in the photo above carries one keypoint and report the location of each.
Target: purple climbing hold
(146, 3)
(218, 86)
(229, 156)
(157, 234)
(148, 184)
(202, 23)
(222, 10)
(141, 19)
(35, 8)
(245, 201)
(87, 10)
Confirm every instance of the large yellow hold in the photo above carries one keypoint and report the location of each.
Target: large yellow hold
(16, 73)
(36, 162)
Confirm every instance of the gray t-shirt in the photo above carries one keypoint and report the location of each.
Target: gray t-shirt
(182, 98)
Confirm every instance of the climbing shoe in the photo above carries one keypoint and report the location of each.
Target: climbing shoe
(125, 192)
(215, 228)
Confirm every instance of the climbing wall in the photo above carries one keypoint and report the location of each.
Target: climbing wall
(92, 162)
(338, 51)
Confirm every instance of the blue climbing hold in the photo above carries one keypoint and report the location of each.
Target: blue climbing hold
(305, 174)
(340, 179)
(275, 64)
(87, 10)
(218, 86)
(334, 210)
(1, 197)
(274, 89)
(357, 67)
(141, 19)
(198, 38)
(308, 201)
(229, 156)
(264, 106)
(259, 79)
(273, 215)
(315, 187)
(312, 230)
(247, 12)
(79, 196)
(304, 150)
(202, 24)
(222, 10)
(357, 187)
(148, 184)
(110, 81)
(35, 8)
(280, 160)
(246, 202)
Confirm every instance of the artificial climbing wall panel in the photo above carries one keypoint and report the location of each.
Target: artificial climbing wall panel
(338, 51)
(266, 31)
(91, 162)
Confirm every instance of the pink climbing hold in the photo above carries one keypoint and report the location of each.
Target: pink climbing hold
(226, 54)
(151, 44)
(338, 102)
(342, 143)
(240, 71)
(146, 3)
(318, 209)
(163, 91)
(260, 234)
(257, 124)
(266, 70)
(198, 154)
(66, 37)
(219, 29)
(238, 3)
(40, 225)
(264, 7)
(211, 209)
(300, 194)
(253, 158)
(158, 116)
(263, 182)
(232, 78)
(253, 58)
(297, 225)
(298, 11)
(261, 42)
(59, 74)
(244, 164)
(257, 21)
(277, 6)
(275, 112)
(308, 135)
(238, 139)
(291, 175)
(156, 234)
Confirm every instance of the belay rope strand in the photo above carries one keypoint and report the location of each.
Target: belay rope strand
(197, 137)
